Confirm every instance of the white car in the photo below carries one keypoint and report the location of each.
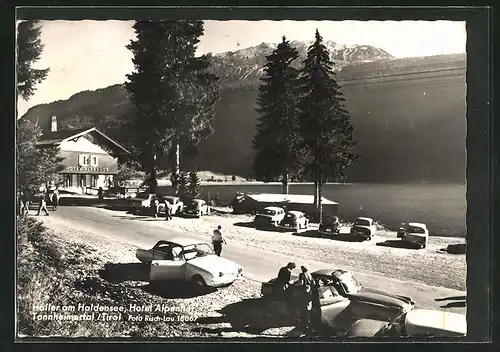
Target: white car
(270, 216)
(196, 207)
(295, 220)
(189, 260)
(364, 227)
(141, 203)
(416, 234)
(175, 202)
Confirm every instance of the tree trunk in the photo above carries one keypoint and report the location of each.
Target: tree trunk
(284, 182)
(153, 182)
(320, 194)
(176, 166)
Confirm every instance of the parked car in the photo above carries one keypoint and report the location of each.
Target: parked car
(416, 234)
(175, 202)
(196, 207)
(329, 226)
(270, 216)
(415, 323)
(364, 227)
(141, 203)
(294, 220)
(189, 260)
(341, 300)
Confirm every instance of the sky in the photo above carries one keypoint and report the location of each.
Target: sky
(88, 55)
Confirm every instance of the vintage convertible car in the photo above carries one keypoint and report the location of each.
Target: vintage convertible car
(295, 220)
(417, 234)
(270, 216)
(196, 207)
(189, 260)
(364, 227)
(416, 323)
(340, 300)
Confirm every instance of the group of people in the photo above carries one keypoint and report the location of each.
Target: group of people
(299, 300)
(43, 200)
(155, 207)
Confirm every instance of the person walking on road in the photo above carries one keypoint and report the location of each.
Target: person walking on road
(42, 205)
(55, 199)
(218, 240)
(154, 206)
(168, 210)
(305, 305)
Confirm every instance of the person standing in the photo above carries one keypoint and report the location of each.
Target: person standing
(42, 205)
(26, 203)
(305, 305)
(55, 200)
(283, 283)
(218, 240)
(168, 210)
(154, 206)
(100, 193)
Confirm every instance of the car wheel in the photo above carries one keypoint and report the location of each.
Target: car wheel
(198, 283)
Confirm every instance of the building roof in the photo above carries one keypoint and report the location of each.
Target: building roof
(287, 198)
(56, 138)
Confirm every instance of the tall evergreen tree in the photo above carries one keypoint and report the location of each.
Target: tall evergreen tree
(194, 189)
(172, 90)
(325, 123)
(29, 50)
(35, 166)
(183, 186)
(277, 138)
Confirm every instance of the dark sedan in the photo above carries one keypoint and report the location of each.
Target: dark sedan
(340, 300)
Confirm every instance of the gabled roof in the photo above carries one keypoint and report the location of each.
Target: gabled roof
(56, 138)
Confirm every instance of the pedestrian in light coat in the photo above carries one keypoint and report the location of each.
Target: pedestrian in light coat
(42, 205)
(218, 240)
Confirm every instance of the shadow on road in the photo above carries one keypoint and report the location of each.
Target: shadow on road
(124, 272)
(454, 249)
(252, 316)
(451, 298)
(459, 304)
(140, 218)
(251, 225)
(316, 234)
(397, 244)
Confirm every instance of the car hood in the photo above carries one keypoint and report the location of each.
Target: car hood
(381, 297)
(366, 328)
(214, 264)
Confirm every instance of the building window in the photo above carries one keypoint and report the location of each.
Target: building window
(83, 159)
(93, 161)
(93, 181)
(68, 180)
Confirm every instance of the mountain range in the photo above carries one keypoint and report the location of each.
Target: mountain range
(408, 114)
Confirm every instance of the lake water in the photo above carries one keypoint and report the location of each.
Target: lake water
(441, 206)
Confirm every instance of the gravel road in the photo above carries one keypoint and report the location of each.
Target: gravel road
(415, 273)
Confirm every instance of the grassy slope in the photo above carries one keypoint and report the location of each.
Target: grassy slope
(62, 270)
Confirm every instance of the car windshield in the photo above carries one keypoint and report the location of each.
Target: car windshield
(415, 229)
(269, 212)
(362, 222)
(350, 284)
(196, 251)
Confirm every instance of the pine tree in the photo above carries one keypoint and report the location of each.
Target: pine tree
(277, 139)
(174, 94)
(35, 166)
(29, 50)
(194, 189)
(183, 187)
(325, 123)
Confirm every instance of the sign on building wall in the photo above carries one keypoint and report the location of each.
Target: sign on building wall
(85, 169)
